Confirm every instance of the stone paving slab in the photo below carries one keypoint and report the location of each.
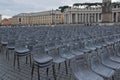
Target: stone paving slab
(9, 72)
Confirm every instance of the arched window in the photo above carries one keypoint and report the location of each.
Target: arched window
(20, 20)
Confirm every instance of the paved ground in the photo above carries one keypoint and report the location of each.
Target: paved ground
(9, 72)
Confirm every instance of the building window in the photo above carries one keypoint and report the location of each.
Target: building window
(20, 20)
(99, 16)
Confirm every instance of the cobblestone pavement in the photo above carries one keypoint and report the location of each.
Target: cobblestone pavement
(9, 72)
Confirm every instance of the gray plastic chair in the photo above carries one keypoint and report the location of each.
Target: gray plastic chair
(10, 46)
(40, 59)
(20, 51)
(4, 42)
(113, 53)
(66, 53)
(98, 67)
(105, 59)
(117, 49)
(90, 44)
(57, 59)
(75, 50)
(81, 70)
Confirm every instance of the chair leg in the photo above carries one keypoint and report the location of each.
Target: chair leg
(30, 60)
(2, 49)
(26, 59)
(18, 62)
(38, 73)
(66, 67)
(69, 63)
(112, 77)
(6, 53)
(14, 59)
(54, 72)
(59, 66)
(5, 49)
(47, 71)
(32, 71)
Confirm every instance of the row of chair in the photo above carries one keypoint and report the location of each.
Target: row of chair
(50, 47)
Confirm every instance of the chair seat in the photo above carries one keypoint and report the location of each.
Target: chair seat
(58, 60)
(91, 48)
(103, 70)
(85, 50)
(87, 75)
(98, 46)
(111, 64)
(11, 47)
(50, 48)
(109, 43)
(4, 43)
(44, 65)
(22, 50)
(104, 45)
(68, 56)
(43, 60)
(115, 58)
(77, 53)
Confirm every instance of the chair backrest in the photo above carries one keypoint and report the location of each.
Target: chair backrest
(64, 49)
(117, 48)
(103, 53)
(31, 43)
(94, 59)
(89, 43)
(53, 52)
(111, 50)
(100, 40)
(38, 50)
(20, 43)
(4, 38)
(50, 44)
(11, 41)
(82, 62)
(81, 44)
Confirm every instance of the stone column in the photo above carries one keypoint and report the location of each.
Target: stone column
(95, 17)
(85, 18)
(82, 17)
(65, 18)
(116, 16)
(76, 18)
(70, 18)
(88, 18)
(79, 18)
(112, 16)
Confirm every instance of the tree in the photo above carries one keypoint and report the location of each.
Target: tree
(62, 8)
(114, 4)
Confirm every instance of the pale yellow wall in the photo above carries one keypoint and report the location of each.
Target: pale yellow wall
(39, 19)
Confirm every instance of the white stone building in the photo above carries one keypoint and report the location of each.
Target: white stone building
(90, 15)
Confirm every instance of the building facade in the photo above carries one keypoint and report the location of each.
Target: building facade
(6, 21)
(39, 18)
(90, 15)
